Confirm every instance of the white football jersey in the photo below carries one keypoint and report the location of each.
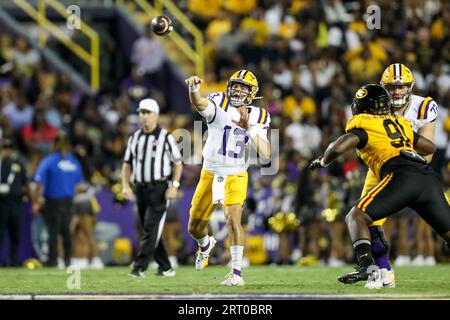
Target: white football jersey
(226, 149)
(421, 111)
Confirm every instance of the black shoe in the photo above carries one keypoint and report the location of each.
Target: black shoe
(167, 273)
(137, 273)
(361, 274)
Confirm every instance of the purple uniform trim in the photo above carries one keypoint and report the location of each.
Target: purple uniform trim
(426, 108)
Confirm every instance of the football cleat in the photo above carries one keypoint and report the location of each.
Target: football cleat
(374, 281)
(137, 273)
(202, 257)
(233, 280)
(385, 279)
(167, 273)
(361, 274)
(388, 277)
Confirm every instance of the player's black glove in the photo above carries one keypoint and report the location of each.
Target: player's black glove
(316, 163)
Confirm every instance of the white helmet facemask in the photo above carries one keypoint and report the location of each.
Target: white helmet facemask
(238, 97)
(399, 100)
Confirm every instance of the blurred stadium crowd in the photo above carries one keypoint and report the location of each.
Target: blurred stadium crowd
(309, 57)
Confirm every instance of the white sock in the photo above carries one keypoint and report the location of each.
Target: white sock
(203, 242)
(236, 257)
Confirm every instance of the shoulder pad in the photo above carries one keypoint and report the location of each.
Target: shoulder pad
(427, 110)
(219, 99)
(260, 116)
(353, 122)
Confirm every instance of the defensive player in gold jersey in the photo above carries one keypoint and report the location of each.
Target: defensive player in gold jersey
(394, 153)
(421, 112)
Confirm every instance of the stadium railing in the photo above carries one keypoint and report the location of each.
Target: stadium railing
(90, 57)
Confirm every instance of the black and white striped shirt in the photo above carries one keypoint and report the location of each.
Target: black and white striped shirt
(151, 155)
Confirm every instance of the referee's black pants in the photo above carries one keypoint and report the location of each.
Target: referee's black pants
(152, 207)
(11, 218)
(57, 215)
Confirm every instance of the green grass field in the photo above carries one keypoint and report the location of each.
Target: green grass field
(427, 282)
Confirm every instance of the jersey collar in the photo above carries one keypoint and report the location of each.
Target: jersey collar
(155, 131)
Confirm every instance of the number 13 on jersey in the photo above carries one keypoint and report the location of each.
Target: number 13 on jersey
(236, 150)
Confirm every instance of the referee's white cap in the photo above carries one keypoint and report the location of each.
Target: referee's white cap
(149, 105)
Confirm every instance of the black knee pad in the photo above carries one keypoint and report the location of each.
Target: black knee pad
(380, 245)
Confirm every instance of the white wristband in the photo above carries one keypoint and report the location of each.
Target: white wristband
(323, 164)
(252, 133)
(194, 88)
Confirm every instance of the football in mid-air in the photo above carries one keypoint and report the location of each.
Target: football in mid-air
(162, 25)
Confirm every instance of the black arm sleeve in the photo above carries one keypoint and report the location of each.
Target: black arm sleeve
(416, 138)
(362, 135)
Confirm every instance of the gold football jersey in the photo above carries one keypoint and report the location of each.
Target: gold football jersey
(386, 136)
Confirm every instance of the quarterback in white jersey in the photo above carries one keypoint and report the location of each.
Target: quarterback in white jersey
(224, 150)
(233, 126)
(398, 80)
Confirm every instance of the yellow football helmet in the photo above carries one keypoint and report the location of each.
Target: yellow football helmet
(398, 74)
(239, 98)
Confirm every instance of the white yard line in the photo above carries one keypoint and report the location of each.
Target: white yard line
(219, 296)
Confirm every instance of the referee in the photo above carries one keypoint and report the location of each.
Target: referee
(152, 162)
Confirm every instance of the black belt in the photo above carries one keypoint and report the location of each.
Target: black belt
(147, 184)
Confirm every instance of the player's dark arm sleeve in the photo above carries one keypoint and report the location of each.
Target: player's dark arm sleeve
(423, 146)
(342, 144)
(362, 135)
